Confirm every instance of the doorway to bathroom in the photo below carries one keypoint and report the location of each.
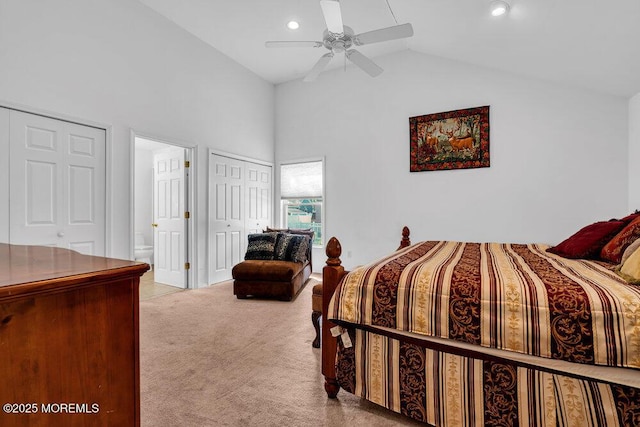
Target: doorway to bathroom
(162, 209)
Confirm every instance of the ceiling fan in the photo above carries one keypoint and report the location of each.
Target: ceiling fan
(339, 38)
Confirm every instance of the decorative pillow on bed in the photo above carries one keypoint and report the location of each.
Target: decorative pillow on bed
(631, 249)
(627, 219)
(261, 246)
(630, 270)
(588, 241)
(291, 247)
(613, 250)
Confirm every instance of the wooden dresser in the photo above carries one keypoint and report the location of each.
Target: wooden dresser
(69, 343)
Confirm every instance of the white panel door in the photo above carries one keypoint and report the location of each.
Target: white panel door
(258, 197)
(169, 216)
(226, 216)
(57, 184)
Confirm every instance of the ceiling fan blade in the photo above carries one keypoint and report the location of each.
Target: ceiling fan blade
(384, 34)
(293, 44)
(332, 15)
(367, 65)
(317, 69)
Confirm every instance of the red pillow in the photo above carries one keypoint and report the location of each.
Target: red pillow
(588, 242)
(613, 250)
(627, 219)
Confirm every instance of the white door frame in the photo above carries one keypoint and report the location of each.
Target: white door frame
(108, 161)
(210, 152)
(191, 202)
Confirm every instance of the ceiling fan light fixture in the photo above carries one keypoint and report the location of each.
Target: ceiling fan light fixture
(293, 25)
(499, 7)
(339, 38)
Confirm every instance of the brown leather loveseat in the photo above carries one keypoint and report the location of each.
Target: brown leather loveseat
(277, 264)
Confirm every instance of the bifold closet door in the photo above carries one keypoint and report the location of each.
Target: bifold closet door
(258, 200)
(240, 203)
(56, 183)
(226, 216)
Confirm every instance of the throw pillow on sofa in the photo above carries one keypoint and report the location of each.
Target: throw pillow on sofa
(291, 247)
(261, 246)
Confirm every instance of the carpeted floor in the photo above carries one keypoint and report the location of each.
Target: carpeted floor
(209, 359)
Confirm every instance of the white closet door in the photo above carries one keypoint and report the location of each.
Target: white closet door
(170, 223)
(226, 216)
(4, 175)
(57, 183)
(258, 200)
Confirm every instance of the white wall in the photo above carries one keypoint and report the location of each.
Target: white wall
(119, 63)
(634, 153)
(558, 155)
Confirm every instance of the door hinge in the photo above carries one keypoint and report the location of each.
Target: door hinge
(187, 215)
(187, 163)
(187, 265)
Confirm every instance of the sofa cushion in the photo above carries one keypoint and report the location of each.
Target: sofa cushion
(291, 247)
(276, 230)
(267, 270)
(261, 246)
(304, 231)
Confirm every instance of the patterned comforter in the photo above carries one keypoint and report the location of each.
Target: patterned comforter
(508, 296)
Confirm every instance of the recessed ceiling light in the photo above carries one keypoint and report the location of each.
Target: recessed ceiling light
(499, 7)
(293, 25)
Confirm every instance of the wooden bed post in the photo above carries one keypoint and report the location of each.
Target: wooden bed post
(406, 241)
(331, 275)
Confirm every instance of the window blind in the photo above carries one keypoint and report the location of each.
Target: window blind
(301, 180)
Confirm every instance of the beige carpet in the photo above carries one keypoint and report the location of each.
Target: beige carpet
(209, 359)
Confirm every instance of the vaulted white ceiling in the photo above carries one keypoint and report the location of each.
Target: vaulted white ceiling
(593, 44)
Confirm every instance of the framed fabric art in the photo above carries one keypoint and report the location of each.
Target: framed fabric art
(450, 140)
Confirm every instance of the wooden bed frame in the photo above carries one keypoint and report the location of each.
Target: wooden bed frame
(332, 274)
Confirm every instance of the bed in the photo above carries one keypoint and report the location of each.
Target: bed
(474, 334)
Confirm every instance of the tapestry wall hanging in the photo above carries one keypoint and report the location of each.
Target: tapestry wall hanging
(451, 140)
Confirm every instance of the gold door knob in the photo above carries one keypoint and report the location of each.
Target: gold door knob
(154, 225)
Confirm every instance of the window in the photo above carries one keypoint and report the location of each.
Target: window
(301, 197)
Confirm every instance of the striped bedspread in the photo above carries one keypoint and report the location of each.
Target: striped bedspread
(449, 390)
(508, 296)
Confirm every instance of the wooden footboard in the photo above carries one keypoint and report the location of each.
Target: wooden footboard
(332, 273)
